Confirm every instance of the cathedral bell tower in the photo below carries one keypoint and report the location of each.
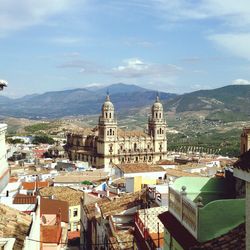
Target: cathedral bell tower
(157, 127)
(107, 131)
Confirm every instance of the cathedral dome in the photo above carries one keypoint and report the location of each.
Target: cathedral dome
(107, 105)
(157, 105)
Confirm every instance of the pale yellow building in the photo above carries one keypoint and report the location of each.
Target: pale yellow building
(108, 144)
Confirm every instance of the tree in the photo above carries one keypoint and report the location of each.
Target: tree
(43, 139)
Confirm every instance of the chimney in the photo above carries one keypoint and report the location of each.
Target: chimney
(97, 209)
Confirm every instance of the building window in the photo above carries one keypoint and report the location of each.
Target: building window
(74, 226)
(75, 212)
(110, 131)
(136, 158)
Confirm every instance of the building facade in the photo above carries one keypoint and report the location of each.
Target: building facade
(4, 171)
(108, 144)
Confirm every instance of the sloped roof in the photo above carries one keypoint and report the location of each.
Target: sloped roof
(179, 173)
(139, 168)
(234, 239)
(68, 194)
(49, 206)
(35, 184)
(243, 162)
(14, 224)
(114, 206)
(50, 234)
(24, 199)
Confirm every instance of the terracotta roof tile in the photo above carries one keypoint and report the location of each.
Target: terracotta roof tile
(139, 168)
(68, 194)
(51, 234)
(73, 235)
(243, 162)
(33, 185)
(24, 199)
(234, 239)
(14, 224)
(179, 173)
(49, 206)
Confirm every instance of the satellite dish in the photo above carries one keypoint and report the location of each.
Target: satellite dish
(44, 219)
(3, 84)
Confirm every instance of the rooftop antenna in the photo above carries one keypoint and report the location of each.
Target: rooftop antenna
(107, 97)
(157, 96)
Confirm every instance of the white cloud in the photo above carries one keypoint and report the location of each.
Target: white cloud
(241, 82)
(134, 68)
(234, 13)
(16, 14)
(234, 43)
(233, 17)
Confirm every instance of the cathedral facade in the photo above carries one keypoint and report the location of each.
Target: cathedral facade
(108, 144)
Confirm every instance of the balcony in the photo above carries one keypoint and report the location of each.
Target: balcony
(206, 207)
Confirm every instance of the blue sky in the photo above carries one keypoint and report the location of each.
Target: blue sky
(168, 45)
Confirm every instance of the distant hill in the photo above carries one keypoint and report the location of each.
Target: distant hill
(229, 103)
(80, 101)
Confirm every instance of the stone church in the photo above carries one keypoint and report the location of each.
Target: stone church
(107, 144)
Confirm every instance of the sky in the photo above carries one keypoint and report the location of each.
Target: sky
(174, 46)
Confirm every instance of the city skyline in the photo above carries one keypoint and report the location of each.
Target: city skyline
(174, 46)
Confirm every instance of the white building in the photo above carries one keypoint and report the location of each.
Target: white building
(4, 171)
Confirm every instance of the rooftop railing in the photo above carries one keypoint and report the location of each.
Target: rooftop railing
(185, 210)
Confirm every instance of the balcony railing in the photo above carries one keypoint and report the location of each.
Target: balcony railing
(185, 210)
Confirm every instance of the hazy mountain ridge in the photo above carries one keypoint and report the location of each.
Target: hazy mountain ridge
(79, 101)
(228, 103)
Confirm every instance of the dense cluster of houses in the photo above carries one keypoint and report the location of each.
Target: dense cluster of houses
(185, 202)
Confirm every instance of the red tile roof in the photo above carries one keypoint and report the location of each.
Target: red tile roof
(49, 206)
(51, 234)
(73, 235)
(24, 199)
(33, 185)
(244, 162)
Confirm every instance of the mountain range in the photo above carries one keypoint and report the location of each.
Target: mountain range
(227, 103)
(80, 101)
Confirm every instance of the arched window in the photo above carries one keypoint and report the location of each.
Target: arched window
(109, 115)
(160, 115)
(156, 115)
(113, 132)
(107, 132)
(106, 114)
(110, 131)
(135, 146)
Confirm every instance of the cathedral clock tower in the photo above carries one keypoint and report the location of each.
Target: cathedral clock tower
(157, 129)
(107, 132)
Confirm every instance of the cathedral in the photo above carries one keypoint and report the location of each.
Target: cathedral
(107, 144)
